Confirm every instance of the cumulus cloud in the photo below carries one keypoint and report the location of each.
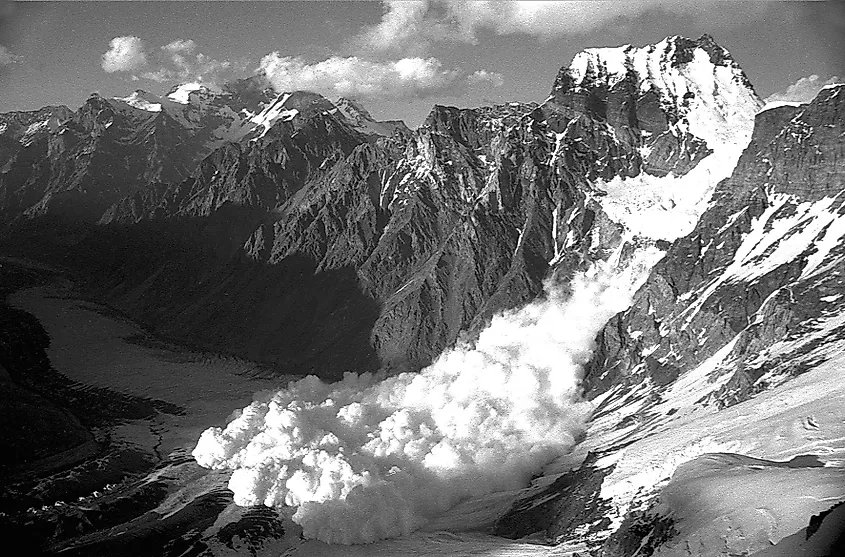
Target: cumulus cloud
(485, 78)
(365, 460)
(414, 25)
(178, 60)
(7, 57)
(802, 91)
(125, 54)
(357, 77)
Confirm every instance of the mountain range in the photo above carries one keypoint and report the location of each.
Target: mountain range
(299, 232)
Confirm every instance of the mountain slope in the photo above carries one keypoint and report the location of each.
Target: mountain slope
(706, 360)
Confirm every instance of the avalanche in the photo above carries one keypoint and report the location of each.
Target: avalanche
(367, 460)
(364, 460)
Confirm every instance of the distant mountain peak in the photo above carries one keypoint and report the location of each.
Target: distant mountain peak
(142, 100)
(183, 93)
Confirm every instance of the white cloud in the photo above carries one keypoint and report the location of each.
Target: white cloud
(414, 25)
(7, 57)
(175, 61)
(357, 77)
(402, 21)
(802, 91)
(125, 54)
(483, 77)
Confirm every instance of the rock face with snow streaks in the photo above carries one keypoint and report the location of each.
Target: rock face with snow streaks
(760, 272)
(733, 345)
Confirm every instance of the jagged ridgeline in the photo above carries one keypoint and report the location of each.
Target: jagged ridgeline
(678, 248)
(410, 238)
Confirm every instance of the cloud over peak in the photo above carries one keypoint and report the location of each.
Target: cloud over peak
(802, 91)
(357, 77)
(486, 78)
(180, 46)
(177, 60)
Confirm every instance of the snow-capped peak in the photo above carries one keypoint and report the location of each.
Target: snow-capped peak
(701, 92)
(700, 88)
(142, 100)
(183, 93)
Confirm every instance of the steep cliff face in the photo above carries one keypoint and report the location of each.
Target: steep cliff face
(86, 160)
(757, 281)
(730, 350)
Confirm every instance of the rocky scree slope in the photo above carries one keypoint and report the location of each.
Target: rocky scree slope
(428, 233)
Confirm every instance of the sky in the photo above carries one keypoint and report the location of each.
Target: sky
(398, 58)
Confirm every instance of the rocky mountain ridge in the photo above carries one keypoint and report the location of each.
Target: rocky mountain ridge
(77, 164)
(726, 321)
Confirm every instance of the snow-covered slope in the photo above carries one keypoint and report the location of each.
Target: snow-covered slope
(735, 345)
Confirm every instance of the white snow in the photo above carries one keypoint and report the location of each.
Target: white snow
(665, 208)
(778, 104)
(272, 113)
(182, 93)
(720, 109)
(775, 239)
(141, 101)
(772, 425)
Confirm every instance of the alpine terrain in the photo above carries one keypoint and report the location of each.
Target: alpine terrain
(241, 321)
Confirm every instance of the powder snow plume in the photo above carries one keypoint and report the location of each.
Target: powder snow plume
(365, 460)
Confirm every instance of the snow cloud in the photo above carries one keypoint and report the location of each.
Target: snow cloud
(188, 64)
(415, 25)
(802, 91)
(357, 77)
(365, 460)
(125, 54)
